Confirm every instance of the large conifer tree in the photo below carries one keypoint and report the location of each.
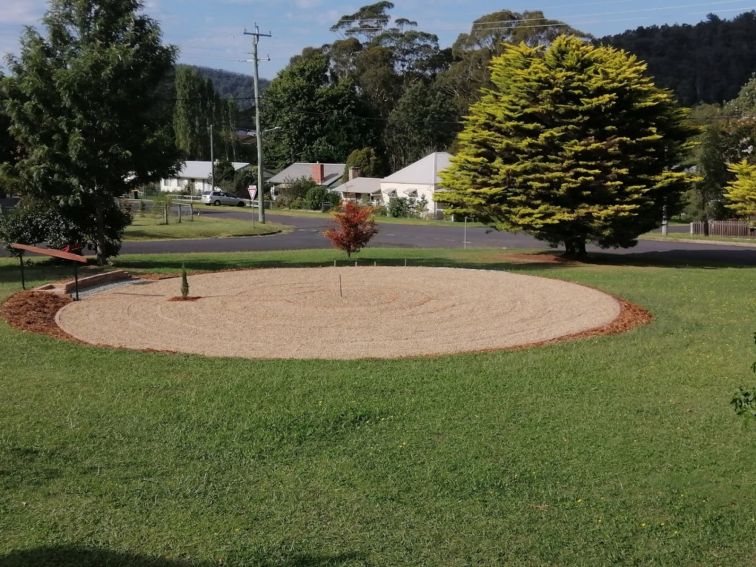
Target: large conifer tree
(572, 144)
(85, 109)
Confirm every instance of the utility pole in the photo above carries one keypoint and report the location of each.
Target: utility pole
(256, 35)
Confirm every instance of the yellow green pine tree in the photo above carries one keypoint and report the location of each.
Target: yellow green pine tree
(740, 193)
(573, 143)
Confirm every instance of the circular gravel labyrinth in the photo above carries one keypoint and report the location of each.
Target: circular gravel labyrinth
(381, 312)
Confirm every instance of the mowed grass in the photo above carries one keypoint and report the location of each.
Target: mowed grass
(612, 450)
(698, 237)
(151, 227)
(383, 219)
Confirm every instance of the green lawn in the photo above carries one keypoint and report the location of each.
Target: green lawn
(150, 227)
(698, 237)
(612, 450)
(381, 219)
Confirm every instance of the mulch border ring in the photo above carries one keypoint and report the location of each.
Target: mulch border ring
(34, 311)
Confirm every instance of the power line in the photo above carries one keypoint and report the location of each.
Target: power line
(590, 21)
(613, 13)
(587, 15)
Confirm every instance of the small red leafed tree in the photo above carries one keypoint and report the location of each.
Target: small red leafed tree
(354, 228)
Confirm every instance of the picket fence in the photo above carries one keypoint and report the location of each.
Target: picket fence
(740, 229)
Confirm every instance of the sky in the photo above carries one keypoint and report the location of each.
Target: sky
(211, 32)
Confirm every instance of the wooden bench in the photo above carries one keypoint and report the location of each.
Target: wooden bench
(53, 253)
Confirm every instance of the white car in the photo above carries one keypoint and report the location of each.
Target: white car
(221, 198)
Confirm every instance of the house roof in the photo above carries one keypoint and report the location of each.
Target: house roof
(361, 185)
(423, 172)
(331, 171)
(202, 169)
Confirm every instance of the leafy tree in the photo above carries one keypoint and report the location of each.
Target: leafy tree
(413, 51)
(320, 198)
(320, 120)
(423, 121)
(707, 62)
(343, 54)
(710, 162)
(744, 105)
(83, 106)
(368, 21)
(7, 147)
(197, 106)
(740, 193)
(225, 174)
(354, 228)
(190, 127)
(728, 135)
(740, 126)
(231, 86)
(472, 52)
(574, 143)
(367, 161)
(37, 221)
(489, 32)
(243, 178)
(292, 194)
(377, 78)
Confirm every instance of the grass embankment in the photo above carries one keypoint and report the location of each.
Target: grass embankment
(378, 218)
(617, 449)
(151, 227)
(714, 239)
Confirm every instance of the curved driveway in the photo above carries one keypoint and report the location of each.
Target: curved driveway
(308, 231)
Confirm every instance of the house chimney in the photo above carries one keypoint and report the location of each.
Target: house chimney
(318, 173)
(354, 172)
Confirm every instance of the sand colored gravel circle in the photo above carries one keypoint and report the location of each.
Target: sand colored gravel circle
(385, 312)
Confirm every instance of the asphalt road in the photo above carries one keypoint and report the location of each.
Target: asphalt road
(307, 233)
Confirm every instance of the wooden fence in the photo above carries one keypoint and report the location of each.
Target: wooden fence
(739, 229)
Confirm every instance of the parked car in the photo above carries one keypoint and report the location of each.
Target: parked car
(221, 198)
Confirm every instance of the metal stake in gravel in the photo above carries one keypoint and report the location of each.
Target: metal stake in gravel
(341, 291)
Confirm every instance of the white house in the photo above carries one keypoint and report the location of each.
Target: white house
(194, 175)
(417, 181)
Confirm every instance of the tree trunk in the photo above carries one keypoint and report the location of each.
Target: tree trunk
(100, 238)
(574, 248)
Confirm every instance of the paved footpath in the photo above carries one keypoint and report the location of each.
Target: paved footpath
(308, 231)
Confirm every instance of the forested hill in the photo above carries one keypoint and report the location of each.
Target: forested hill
(230, 85)
(707, 62)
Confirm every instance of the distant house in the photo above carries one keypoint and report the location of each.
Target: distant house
(359, 188)
(417, 181)
(194, 177)
(327, 175)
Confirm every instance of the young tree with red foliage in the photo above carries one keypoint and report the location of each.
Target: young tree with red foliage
(354, 228)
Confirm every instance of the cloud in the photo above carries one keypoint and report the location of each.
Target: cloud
(305, 4)
(22, 12)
